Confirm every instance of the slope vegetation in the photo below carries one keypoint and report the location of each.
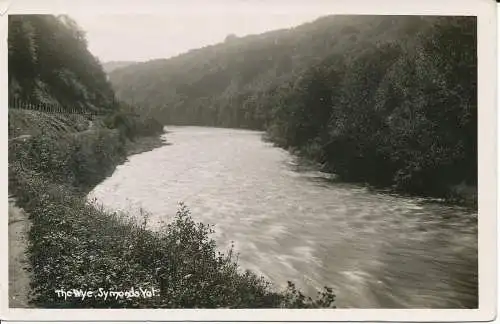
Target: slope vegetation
(389, 100)
(76, 245)
(49, 64)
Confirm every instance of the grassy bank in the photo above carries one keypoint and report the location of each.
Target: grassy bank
(75, 245)
(32, 122)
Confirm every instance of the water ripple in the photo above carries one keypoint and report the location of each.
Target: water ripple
(288, 223)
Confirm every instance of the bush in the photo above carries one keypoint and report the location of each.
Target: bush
(75, 244)
(132, 126)
(79, 159)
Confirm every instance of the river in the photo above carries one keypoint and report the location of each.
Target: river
(292, 223)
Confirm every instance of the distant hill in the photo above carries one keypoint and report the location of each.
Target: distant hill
(210, 85)
(113, 65)
(389, 100)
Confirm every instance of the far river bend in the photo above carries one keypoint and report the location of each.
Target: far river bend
(376, 250)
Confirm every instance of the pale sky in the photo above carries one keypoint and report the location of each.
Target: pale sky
(141, 37)
(120, 30)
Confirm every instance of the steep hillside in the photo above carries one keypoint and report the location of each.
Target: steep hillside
(390, 100)
(75, 243)
(212, 85)
(31, 122)
(50, 65)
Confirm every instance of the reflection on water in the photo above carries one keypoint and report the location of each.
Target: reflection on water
(290, 223)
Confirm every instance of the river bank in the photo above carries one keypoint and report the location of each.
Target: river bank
(145, 144)
(292, 222)
(75, 244)
(461, 194)
(19, 226)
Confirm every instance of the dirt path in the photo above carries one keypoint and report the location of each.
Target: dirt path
(19, 277)
(21, 137)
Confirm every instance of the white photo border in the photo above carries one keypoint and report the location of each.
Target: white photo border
(485, 10)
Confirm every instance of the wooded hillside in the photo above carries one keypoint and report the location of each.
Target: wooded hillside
(390, 100)
(50, 64)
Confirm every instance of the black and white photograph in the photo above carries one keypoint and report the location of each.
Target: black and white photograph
(235, 159)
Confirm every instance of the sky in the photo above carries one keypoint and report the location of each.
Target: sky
(120, 30)
(141, 37)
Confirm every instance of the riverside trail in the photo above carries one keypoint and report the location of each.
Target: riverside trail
(19, 275)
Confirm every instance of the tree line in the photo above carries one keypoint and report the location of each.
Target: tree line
(52, 171)
(388, 100)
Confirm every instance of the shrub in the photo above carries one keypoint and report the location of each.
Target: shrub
(75, 244)
(131, 125)
(80, 159)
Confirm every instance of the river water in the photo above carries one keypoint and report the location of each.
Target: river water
(292, 223)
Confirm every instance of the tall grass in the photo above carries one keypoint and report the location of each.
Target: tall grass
(75, 244)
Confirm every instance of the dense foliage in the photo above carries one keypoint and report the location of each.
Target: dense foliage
(49, 64)
(78, 159)
(52, 70)
(131, 124)
(75, 244)
(31, 122)
(55, 159)
(390, 100)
